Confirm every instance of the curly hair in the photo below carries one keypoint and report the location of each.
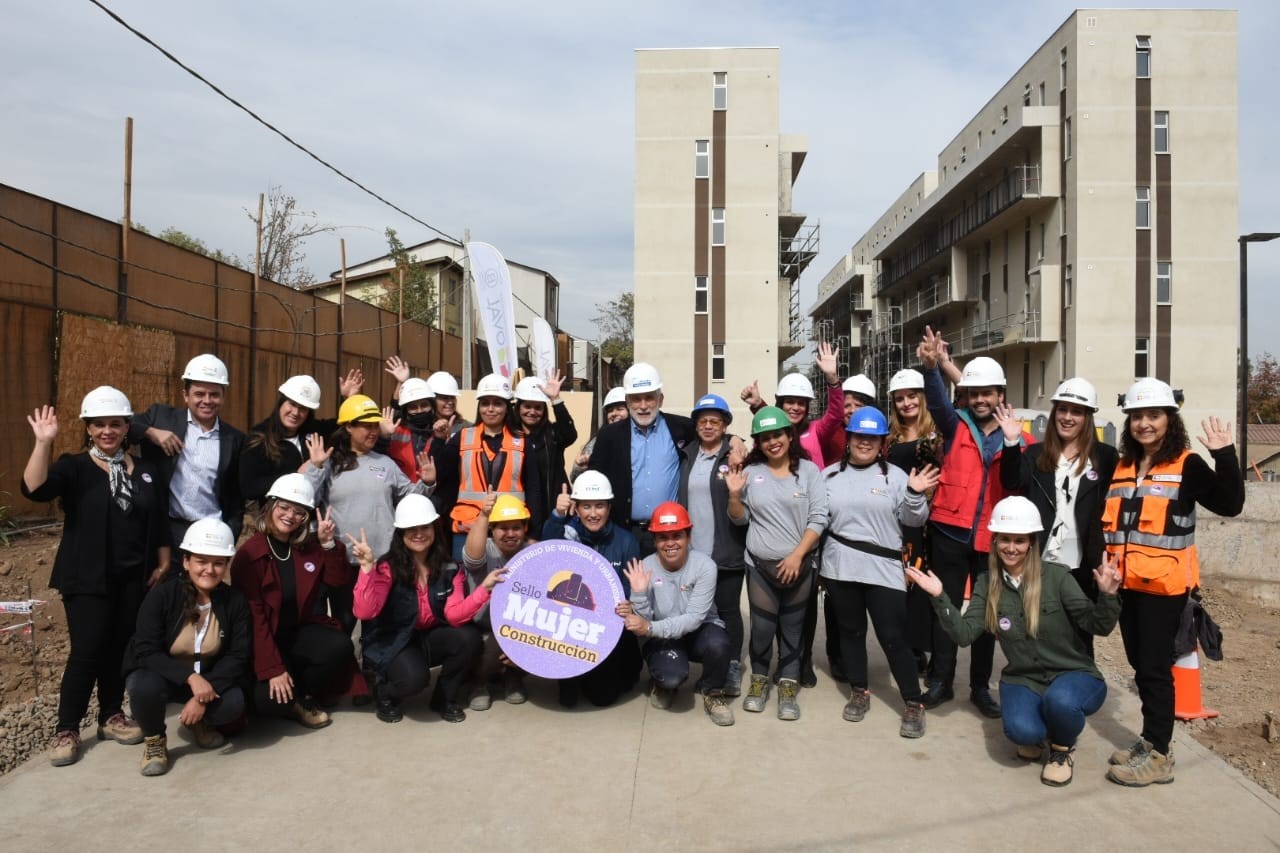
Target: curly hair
(1175, 441)
(794, 451)
(400, 559)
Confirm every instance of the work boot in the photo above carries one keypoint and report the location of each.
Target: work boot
(513, 687)
(937, 693)
(788, 706)
(388, 710)
(858, 705)
(309, 715)
(206, 736)
(155, 756)
(984, 702)
(733, 683)
(1124, 756)
(1057, 770)
(660, 697)
(65, 749)
(481, 698)
(120, 729)
(1033, 752)
(717, 706)
(1142, 770)
(757, 694)
(912, 721)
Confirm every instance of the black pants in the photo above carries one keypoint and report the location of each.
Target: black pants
(614, 675)
(729, 607)
(454, 650)
(851, 602)
(342, 604)
(809, 632)
(954, 563)
(100, 627)
(777, 612)
(316, 658)
(668, 659)
(1148, 625)
(150, 691)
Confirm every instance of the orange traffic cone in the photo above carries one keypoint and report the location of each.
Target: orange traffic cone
(1186, 689)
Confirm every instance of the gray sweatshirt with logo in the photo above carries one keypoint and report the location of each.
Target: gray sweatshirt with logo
(868, 505)
(678, 603)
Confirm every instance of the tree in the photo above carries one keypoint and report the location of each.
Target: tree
(615, 318)
(284, 233)
(1264, 390)
(183, 240)
(419, 286)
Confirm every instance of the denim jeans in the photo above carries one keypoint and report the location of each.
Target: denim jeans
(1057, 715)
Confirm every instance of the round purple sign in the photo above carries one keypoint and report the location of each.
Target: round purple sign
(554, 615)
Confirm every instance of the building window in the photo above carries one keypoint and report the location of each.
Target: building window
(1042, 93)
(717, 362)
(1044, 376)
(1140, 352)
(720, 90)
(1162, 132)
(702, 158)
(1043, 228)
(1144, 207)
(699, 294)
(1144, 65)
(1004, 114)
(717, 226)
(1062, 68)
(1164, 283)
(1026, 95)
(1067, 294)
(964, 152)
(1066, 138)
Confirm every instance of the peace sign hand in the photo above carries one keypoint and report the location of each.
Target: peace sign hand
(316, 450)
(362, 552)
(1108, 575)
(326, 528)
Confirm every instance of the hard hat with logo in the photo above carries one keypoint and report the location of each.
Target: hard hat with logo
(295, 489)
(712, 403)
(907, 380)
(615, 397)
(860, 384)
(206, 368)
(443, 384)
(359, 409)
(209, 537)
(105, 402)
(641, 378)
(669, 517)
(493, 385)
(530, 390)
(1015, 515)
(1149, 393)
(868, 421)
(592, 486)
(1078, 391)
(508, 508)
(794, 385)
(415, 390)
(302, 390)
(769, 419)
(982, 372)
(415, 511)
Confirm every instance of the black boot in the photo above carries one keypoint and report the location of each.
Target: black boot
(388, 710)
(982, 700)
(938, 692)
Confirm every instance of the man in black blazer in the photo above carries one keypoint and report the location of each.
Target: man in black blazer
(197, 454)
(641, 455)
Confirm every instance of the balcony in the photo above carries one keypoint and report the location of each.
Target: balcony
(797, 249)
(1022, 327)
(932, 297)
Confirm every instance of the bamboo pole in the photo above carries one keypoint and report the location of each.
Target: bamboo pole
(122, 294)
(342, 308)
(468, 337)
(400, 317)
(253, 307)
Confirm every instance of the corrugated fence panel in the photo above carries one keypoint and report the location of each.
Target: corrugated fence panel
(171, 290)
(28, 380)
(22, 280)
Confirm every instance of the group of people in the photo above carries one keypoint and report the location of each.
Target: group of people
(403, 518)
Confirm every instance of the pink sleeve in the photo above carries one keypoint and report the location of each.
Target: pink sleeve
(830, 427)
(371, 592)
(462, 608)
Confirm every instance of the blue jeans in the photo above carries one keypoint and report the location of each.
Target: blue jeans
(1057, 716)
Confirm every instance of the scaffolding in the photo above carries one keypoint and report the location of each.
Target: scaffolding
(885, 351)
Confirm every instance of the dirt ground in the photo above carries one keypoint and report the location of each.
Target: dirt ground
(1242, 688)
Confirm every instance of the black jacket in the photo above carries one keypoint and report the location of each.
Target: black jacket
(730, 539)
(230, 445)
(160, 621)
(258, 472)
(612, 457)
(545, 450)
(389, 633)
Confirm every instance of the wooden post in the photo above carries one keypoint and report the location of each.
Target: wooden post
(400, 317)
(253, 311)
(468, 338)
(342, 307)
(122, 294)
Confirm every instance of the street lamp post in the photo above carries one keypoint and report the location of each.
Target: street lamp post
(1245, 240)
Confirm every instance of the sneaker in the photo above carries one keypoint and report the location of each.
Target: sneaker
(1034, 752)
(451, 712)
(912, 721)
(481, 699)
(858, 705)
(1124, 756)
(388, 710)
(985, 703)
(660, 697)
(757, 694)
(733, 683)
(1057, 770)
(120, 729)
(206, 736)
(309, 715)
(717, 706)
(155, 756)
(788, 707)
(513, 688)
(65, 749)
(937, 693)
(1144, 769)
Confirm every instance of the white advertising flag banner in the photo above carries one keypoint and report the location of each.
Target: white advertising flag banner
(493, 301)
(544, 349)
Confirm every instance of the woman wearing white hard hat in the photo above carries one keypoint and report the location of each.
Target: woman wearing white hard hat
(822, 440)
(613, 409)
(545, 442)
(1037, 612)
(115, 543)
(445, 390)
(192, 646)
(1149, 523)
(301, 655)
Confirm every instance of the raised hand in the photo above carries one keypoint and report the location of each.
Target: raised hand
(736, 480)
(637, 576)
(1008, 421)
(426, 467)
(326, 528)
(925, 479)
(490, 498)
(494, 578)
(444, 426)
(737, 453)
(352, 383)
(398, 367)
(927, 581)
(751, 395)
(564, 503)
(1108, 575)
(316, 451)
(1216, 435)
(826, 362)
(44, 424)
(551, 385)
(362, 552)
(387, 426)
(930, 349)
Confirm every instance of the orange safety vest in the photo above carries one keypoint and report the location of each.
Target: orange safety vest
(1151, 529)
(480, 469)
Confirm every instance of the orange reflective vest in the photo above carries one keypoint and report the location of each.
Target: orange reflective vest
(1151, 529)
(480, 469)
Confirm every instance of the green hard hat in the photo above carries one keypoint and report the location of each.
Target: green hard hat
(769, 419)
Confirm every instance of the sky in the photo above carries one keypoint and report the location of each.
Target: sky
(516, 120)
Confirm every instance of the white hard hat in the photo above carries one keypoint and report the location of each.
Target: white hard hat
(105, 402)
(413, 390)
(530, 390)
(1149, 393)
(1015, 515)
(982, 372)
(615, 396)
(206, 368)
(592, 486)
(860, 384)
(493, 385)
(443, 384)
(415, 511)
(641, 378)
(302, 390)
(293, 488)
(795, 385)
(1078, 391)
(209, 537)
(907, 380)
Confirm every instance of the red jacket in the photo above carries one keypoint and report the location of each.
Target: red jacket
(400, 448)
(966, 485)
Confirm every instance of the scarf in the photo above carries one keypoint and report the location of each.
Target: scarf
(117, 477)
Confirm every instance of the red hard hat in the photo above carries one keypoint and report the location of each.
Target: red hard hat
(669, 517)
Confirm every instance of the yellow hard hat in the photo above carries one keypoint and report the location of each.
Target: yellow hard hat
(508, 508)
(359, 409)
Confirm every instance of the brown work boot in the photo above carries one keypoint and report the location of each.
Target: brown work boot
(1144, 769)
(309, 715)
(1124, 756)
(65, 749)
(120, 729)
(858, 705)
(155, 756)
(1057, 770)
(1032, 752)
(206, 736)
(912, 721)
(717, 705)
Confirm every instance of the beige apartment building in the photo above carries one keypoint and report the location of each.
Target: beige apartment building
(718, 250)
(1083, 223)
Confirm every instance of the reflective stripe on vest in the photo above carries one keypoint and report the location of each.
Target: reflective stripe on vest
(474, 468)
(1150, 531)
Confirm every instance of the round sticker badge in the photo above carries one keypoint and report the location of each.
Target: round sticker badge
(1005, 623)
(146, 478)
(309, 566)
(1091, 474)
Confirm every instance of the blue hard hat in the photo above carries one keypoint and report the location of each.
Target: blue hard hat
(712, 403)
(868, 420)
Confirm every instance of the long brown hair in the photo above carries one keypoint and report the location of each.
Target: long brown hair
(274, 436)
(400, 559)
(1030, 587)
(794, 451)
(898, 430)
(1053, 445)
(264, 523)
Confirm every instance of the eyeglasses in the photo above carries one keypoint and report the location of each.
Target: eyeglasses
(710, 420)
(291, 511)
